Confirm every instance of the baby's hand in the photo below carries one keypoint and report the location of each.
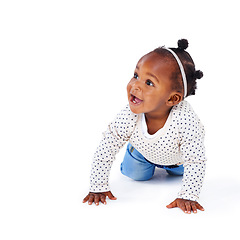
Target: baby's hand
(186, 205)
(100, 196)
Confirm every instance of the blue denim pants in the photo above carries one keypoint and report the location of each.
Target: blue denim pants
(138, 168)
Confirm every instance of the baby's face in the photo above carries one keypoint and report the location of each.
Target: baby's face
(150, 88)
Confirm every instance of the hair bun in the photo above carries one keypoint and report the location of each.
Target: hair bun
(182, 44)
(198, 74)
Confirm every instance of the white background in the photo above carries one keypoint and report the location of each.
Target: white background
(64, 67)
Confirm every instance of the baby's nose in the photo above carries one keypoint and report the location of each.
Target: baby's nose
(136, 86)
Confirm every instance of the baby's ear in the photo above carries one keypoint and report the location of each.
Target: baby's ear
(174, 99)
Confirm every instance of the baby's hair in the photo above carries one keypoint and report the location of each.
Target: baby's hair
(189, 67)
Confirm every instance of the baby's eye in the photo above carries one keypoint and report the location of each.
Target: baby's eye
(149, 83)
(135, 75)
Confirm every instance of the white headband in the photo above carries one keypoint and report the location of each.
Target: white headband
(181, 69)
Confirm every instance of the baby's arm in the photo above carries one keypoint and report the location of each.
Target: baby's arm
(193, 155)
(192, 184)
(114, 138)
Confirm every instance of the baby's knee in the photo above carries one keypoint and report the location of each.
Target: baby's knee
(139, 177)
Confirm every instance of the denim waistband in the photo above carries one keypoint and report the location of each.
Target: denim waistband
(139, 155)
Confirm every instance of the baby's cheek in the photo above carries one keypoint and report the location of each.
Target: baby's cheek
(129, 86)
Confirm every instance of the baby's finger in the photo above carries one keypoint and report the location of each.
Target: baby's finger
(103, 199)
(188, 207)
(194, 208)
(199, 207)
(110, 196)
(91, 199)
(182, 206)
(172, 204)
(86, 199)
(96, 199)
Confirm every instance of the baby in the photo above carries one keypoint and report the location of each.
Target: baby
(161, 127)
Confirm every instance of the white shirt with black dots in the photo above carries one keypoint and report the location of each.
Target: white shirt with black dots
(180, 141)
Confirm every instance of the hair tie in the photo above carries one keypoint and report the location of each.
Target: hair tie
(181, 69)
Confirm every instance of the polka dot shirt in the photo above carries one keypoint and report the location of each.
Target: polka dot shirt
(180, 141)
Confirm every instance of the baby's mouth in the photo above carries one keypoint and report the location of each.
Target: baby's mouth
(135, 100)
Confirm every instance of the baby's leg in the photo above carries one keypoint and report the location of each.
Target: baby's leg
(135, 166)
(176, 171)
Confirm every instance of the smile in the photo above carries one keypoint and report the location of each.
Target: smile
(134, 100)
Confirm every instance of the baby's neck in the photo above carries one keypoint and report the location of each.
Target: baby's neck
(156, 121)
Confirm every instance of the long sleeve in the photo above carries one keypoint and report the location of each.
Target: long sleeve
(192, 152)
(114, 138)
